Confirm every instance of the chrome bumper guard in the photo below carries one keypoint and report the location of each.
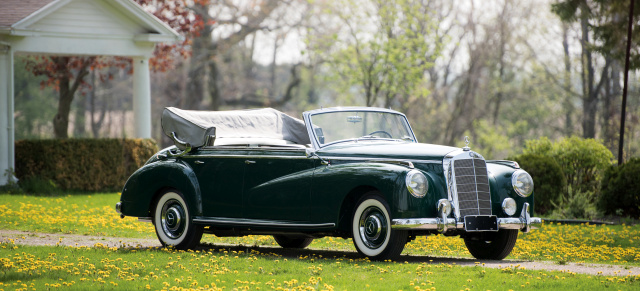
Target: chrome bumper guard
(524, 223)
(119, 208)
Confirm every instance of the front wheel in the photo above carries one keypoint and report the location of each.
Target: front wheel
(371, 229)
(292, 242)
(173, 224)
(492, 246)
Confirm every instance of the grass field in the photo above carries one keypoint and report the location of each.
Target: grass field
(45, 268)
(101, 268)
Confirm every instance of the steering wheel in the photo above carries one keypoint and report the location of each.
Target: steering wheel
(381, 132)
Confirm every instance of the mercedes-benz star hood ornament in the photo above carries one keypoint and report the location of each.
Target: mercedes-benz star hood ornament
(466, 141)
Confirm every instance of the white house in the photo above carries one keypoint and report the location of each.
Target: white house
(76, 27)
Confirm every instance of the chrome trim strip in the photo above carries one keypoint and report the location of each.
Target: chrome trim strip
(247, 156)
(145, 219)
(395, 162)
(382, 160)
(363, 159)
(250, 222)
(507, 163)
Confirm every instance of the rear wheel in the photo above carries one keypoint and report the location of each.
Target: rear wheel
(492, 245)
(288, 242)
(371, 229)
(172, 221)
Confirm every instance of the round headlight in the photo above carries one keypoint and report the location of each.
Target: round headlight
(417, 183)
(509, 206)
(522, 183)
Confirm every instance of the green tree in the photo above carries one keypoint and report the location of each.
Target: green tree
(608, 20)
(386, 49)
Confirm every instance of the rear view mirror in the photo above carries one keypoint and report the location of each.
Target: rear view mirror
(354, 119)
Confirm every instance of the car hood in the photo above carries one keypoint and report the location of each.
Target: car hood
(388, 150)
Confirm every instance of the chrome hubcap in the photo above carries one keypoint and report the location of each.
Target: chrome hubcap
(373, 227)
(172, 216)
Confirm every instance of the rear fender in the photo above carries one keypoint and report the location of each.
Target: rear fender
(146, 183)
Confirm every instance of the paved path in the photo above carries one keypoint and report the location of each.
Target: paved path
(42, 239)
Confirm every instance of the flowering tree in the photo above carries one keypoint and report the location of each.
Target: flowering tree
(66, 73)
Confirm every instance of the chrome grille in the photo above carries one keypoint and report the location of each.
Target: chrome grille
(472, 185)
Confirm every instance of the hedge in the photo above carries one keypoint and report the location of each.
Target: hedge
(82, 164)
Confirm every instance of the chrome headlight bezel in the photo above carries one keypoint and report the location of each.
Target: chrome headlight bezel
(522, 183)
(417, 183)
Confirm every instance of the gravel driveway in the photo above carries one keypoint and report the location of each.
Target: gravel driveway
(42, 239)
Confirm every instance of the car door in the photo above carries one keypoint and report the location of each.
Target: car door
(277, 184)
(220, 174)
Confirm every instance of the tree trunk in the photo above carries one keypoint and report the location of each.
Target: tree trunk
(197, 65)
(589, 97)
(96, 123)
(568, 105)
(67, 92)
(80, 110)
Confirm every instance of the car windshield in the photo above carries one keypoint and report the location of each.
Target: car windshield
(338, 126)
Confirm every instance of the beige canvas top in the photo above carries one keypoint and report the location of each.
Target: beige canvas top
(192, 126)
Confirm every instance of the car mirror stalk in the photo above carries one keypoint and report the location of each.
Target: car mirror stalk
(311, 153)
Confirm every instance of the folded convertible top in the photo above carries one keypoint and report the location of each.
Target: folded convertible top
(193, 127)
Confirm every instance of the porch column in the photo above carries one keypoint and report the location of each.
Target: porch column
(7, 159)
(141, 97)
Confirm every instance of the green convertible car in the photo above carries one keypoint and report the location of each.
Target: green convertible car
(351, 172)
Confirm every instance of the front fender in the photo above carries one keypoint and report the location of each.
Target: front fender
(501, 188)
(333, 184)
(141, 188)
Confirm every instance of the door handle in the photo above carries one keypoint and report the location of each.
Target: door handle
(199, 162)
(248, 162)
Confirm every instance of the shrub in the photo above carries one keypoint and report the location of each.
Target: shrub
(548, 179)
(80, 164)
(582, 160)
(576, 204)
(620, 190)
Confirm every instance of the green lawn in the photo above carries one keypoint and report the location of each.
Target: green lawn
(46, 268)
(43, 268)
(95, 215)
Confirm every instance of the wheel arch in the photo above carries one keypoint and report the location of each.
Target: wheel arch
(348, 205)
(144, 187)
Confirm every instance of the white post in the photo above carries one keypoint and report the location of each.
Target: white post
(141, 97)
(6, 114)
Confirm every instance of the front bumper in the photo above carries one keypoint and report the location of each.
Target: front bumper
(524, 223)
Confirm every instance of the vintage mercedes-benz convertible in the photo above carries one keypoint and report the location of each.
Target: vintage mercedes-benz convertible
(352, 172)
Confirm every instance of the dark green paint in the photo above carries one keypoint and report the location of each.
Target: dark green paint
(283, 185)
(141, 188)
(501, 188)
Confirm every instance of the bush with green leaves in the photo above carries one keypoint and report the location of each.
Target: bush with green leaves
(548, 179)
(576, 204)
(620, 190)
(582, 160)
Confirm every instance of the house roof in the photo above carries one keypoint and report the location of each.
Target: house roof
(18, 16)
(15, 10)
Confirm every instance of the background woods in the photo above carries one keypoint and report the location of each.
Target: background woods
(500, 71)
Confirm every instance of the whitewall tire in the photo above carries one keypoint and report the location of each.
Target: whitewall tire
(371, 229)
(172, 221)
